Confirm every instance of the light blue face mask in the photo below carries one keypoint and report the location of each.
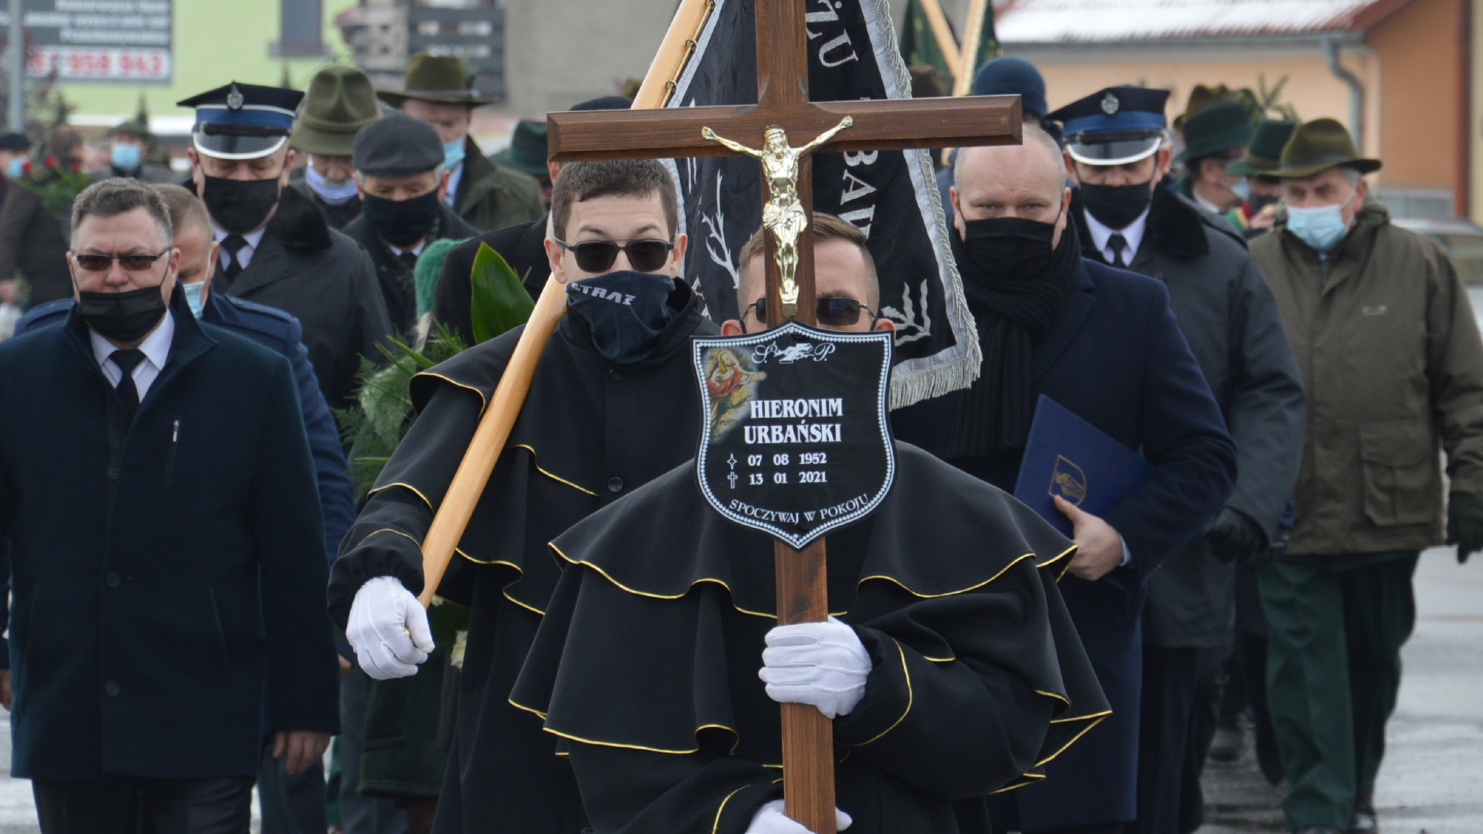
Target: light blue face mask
(334, 193)
(452, 154)
(1321, 227)
(16, 168)
(193, 296)
(125, 157)
(1241, 189)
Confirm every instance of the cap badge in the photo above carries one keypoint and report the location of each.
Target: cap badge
(1110, 104)
(234, 99)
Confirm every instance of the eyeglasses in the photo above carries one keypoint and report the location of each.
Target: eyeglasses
(599, 255)
(834, 311)
(130, 263)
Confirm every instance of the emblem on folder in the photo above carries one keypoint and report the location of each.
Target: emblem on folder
(1068, 481)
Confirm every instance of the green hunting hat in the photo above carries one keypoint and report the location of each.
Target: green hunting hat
(339, 103)
(1219, 127)
(444, 79)
(132, 127)
(1265, 152)
(527, 151)
(1318, 146)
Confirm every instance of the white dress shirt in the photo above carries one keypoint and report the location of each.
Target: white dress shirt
(1133, 234)
(1207, 205)
(416, 250)
(453, 178)
(156, 350)
(254, 239)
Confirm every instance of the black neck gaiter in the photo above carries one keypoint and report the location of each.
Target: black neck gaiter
(1015, 293)
(626, 311)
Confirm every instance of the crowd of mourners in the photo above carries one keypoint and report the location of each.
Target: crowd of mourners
(182, 348)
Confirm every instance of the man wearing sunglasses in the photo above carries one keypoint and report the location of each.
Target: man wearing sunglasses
(612, 406)
(159, 499)
(844, 279)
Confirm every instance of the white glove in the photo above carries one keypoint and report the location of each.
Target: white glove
(388, 629)
(823, 664)
(770, 819)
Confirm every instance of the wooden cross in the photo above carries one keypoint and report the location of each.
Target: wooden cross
(782, 92)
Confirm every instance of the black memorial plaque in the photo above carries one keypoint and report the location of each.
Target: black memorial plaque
(796, 441)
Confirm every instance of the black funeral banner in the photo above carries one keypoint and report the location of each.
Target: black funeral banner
(795, 440)
(891, 195)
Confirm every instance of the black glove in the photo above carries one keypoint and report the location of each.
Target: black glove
(1233, 536)
(1465, 524)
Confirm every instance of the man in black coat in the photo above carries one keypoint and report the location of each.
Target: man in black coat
(399, 171)
(523, 246)
(164, 581)
(276, 248)
(1230, 319)
(1102, 343)
(611, 407)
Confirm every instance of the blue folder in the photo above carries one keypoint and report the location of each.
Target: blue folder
(1067, 456)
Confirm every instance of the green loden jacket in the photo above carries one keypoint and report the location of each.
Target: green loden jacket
(1393, 368)
(490, 197)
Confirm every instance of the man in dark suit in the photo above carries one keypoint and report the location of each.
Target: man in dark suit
(523, 246)
(1228, 315)
(399, 171)
(164, 581)
(1103, 343)
(284, 799)
(276, 248)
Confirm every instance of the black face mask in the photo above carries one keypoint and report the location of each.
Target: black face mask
(401, 222)
(1116, 206)
(1259, 202)
(122, 316)
(240, 206)
(626, 311)
(1007, 248)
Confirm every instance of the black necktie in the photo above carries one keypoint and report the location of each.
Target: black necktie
(234, 244)
(1118, 243)
(409, 260)
(127, 361)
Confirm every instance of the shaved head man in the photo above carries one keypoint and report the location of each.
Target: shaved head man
(1025, 181)
(1102, 343)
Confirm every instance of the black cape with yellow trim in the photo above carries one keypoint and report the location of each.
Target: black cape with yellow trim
(646, 662)
(589, 433)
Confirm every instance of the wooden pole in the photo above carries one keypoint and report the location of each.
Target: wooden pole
(674, 52)
(808, 737)
(942, 32)
(458, 504)
(973, 36)
(802, 584)
(499, 417)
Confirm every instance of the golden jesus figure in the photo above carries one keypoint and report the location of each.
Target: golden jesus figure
(783, 214)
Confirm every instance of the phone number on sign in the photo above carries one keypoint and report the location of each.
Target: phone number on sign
(74, 63)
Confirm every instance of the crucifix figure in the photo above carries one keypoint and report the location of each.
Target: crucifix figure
(783, 214)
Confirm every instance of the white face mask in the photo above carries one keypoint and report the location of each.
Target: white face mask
(334, 193)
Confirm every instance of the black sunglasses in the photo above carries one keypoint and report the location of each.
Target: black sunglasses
(599, 255)
(131, 263)
(834, 311)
